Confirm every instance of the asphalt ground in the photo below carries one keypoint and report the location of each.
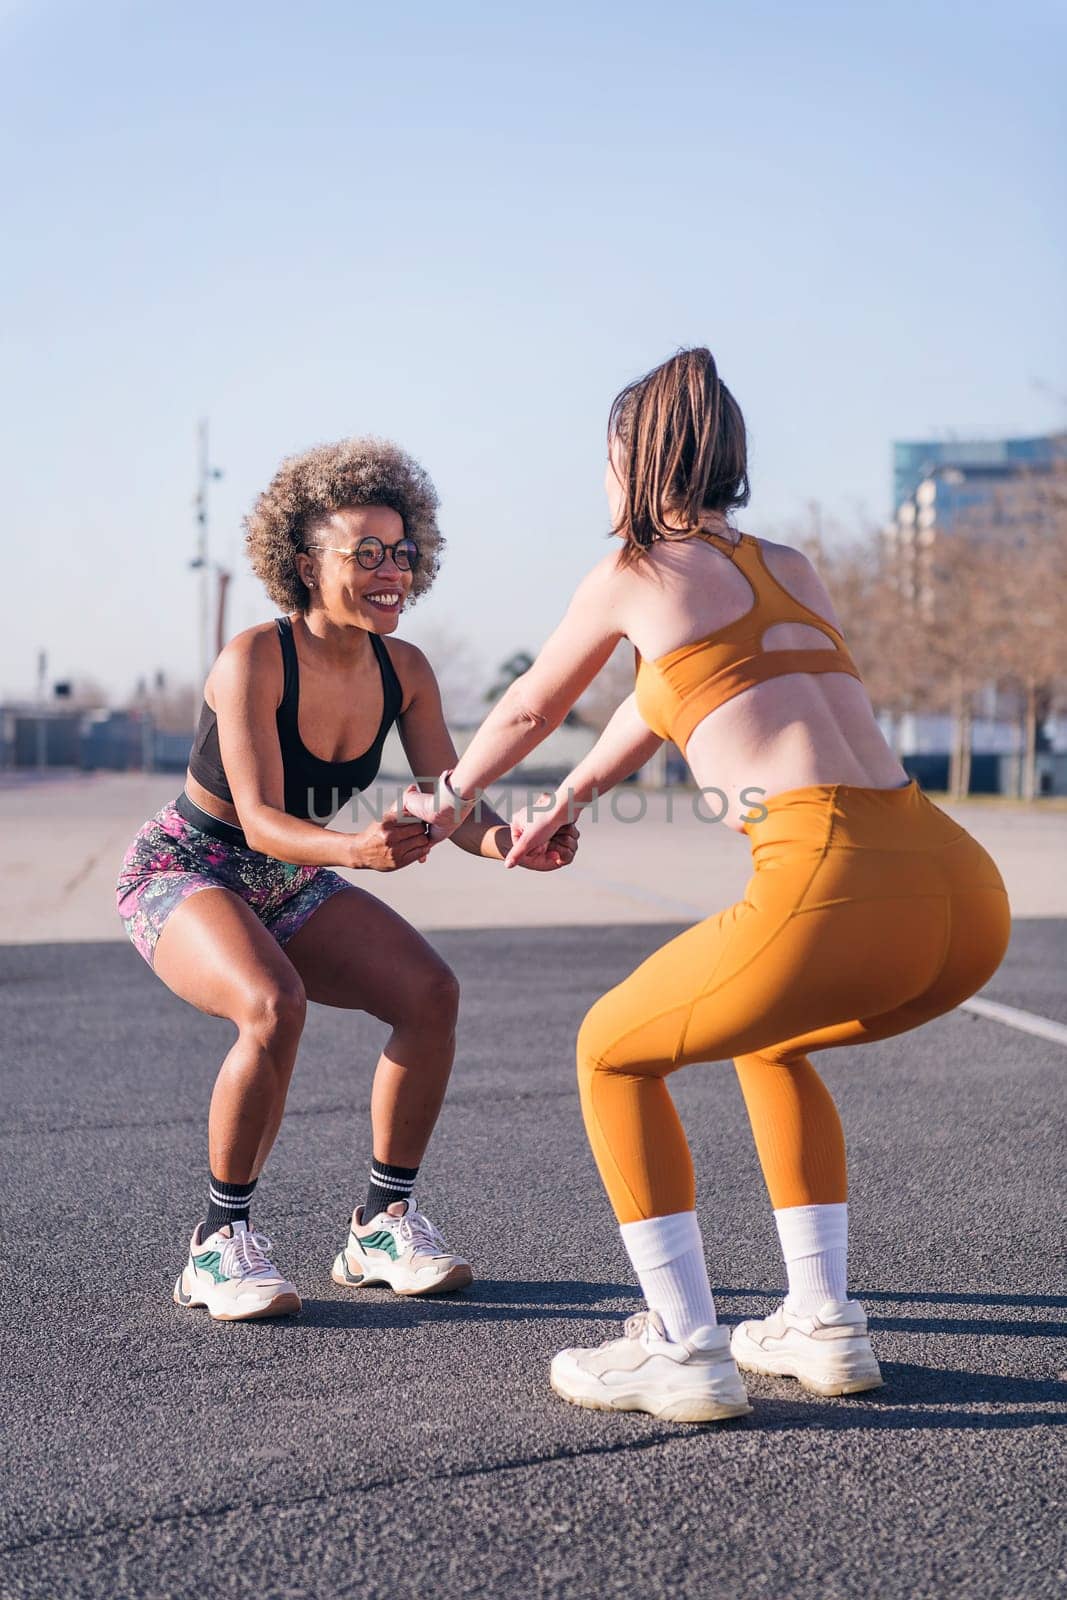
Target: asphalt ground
(377, 1447)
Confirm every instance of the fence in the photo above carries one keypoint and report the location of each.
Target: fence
(128, 741)
(115, 741)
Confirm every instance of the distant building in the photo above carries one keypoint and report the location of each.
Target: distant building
(937, 482)
(979, 460)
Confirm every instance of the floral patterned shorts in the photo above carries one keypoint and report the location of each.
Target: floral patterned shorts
(170, 859)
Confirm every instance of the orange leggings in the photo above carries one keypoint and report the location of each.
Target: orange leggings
(869, 912)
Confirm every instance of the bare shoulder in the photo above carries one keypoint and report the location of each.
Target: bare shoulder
(605, 583)
(781, 554)
(411, 665)
(405, 656)
(252, 652)
(410, 661)
(793, 569)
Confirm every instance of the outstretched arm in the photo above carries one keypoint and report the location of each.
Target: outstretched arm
(625, 745)
(537, 702)
(429, 748)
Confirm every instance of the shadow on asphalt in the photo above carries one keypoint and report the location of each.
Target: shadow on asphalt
(908, 1384)
(489, 1300)
(909, 1390)
(1029, 1328)
(1055, 1302)
(778, 1416)
(529, 1300)
(979, 1325)
(906, 1400)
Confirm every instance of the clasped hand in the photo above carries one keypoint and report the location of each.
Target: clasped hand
(542, 844)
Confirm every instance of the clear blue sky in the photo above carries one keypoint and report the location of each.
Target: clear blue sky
(465, 226)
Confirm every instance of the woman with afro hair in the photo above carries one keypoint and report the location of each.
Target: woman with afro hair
(229, 895)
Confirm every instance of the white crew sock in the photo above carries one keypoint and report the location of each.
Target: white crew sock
(668, 1256)
(814, 1243)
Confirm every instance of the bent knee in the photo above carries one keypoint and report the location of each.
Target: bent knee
(439, 996)
(275, 1010)
(596, 1042)
(611, 1042)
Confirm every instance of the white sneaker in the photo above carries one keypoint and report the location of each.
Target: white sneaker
(695, 1380)
(231, 1273)
(400, 1247)
(828, 1351)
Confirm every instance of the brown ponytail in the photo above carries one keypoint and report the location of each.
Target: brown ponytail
(680, 438)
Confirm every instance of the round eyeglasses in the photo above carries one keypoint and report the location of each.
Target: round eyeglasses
(371, 552)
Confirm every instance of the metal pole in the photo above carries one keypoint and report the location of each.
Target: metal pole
(42, 726)
(201, 542)
(206, 473)
(220, 608)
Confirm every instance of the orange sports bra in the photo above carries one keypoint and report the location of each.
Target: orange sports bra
(676, 691)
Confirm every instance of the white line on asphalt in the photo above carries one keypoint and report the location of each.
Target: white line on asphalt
(1012, 1017)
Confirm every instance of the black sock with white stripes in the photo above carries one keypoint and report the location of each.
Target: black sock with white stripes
(227, 1202)
(386, 1185)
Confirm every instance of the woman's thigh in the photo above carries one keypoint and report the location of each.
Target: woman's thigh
(978, 935)
(762, 971)
(358, 954)
(214, 952)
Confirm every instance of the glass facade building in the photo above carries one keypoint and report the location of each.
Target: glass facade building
(974, 489)
(939, 484)
(916, 460)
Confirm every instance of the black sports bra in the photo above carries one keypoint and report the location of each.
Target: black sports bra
(314, 789)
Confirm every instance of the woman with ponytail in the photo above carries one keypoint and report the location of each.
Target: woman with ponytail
(869, 911)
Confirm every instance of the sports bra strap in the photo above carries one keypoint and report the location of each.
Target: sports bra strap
(732, 545)
(289, 666)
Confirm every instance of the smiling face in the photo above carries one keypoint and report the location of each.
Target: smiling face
(372, 598)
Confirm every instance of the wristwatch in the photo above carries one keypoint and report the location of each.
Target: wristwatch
(452, 797)
(446, 779)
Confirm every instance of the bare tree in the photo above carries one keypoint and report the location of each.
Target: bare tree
(459, 670)
(959, 617)
(1027, 527)
(175, 707)
(913, 644)
(980, 602)
(873, 597)
(609, 688)
(172, 707)
(507, 672)
(513, 668)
